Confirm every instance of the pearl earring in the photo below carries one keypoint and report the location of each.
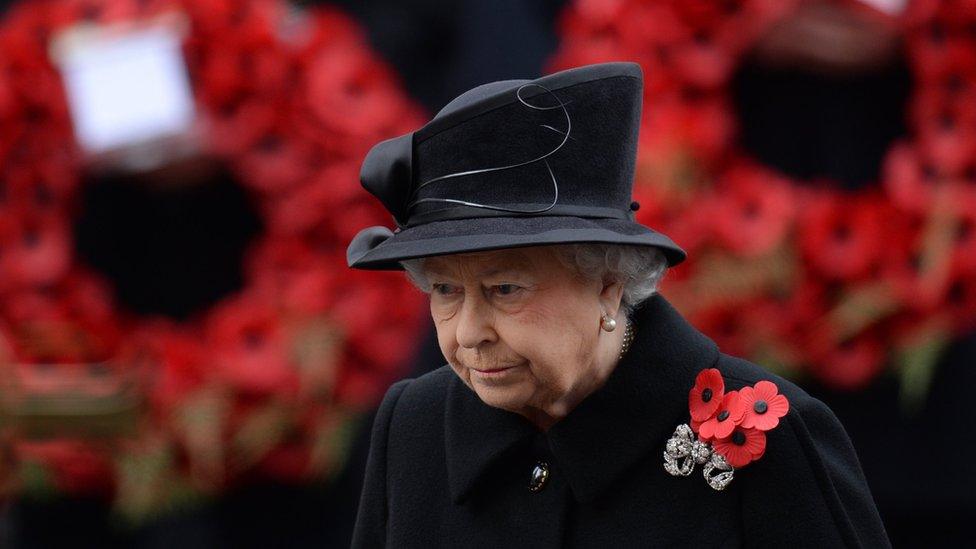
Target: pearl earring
(608, 323)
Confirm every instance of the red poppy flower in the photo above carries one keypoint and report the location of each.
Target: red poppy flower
(709, 127)
(947, 144)
(239, 131)
(707, 394)
(964, 245)
(317, 200)
(723, 323)
(755, 211)
(39, 253)
(742, 446)
(276, 163)
(851, 364)
(650, 26)
(726, 417)
(916, 276)
(762, 405)
(905, 181)
(348, 91)
(250, 347)
(221, 77)
(843, 236)
(961, 302)
(702, 63)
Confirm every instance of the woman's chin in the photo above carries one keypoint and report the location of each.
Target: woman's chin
(507, 390)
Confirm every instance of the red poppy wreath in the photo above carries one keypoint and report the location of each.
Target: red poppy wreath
(798, 277)
(269, 380)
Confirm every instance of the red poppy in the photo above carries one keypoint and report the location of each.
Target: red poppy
(851, 364)
(916, 276)
(316, 201)
(742, 446)
(947, 144)
(709, 127)
(964, 243)
(763, 406)
(238, 131)
(755, 211)
(221, 77)
(276, 163)
(348, 91)
(702, 63)
(250, 348)
(961, 302)
(723, 323)
(726, 417)
(905, 180)
(842, 236)
(39, 252)
(707, 394)
(651, 26)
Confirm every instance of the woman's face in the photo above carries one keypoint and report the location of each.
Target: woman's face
(522, 330)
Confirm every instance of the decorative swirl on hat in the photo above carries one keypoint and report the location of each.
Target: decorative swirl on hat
(543, 158)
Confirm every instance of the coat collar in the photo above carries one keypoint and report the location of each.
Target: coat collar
(610, 431)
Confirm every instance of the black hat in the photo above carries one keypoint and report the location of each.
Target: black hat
(511, 164)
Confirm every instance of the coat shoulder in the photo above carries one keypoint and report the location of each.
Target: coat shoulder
(420, 400)
(808, 455)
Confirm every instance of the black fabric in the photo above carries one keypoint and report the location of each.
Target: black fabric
(445, 470)
(595, 167)
(561, 147)
(559, 210)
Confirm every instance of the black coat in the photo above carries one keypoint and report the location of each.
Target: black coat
(446, 470)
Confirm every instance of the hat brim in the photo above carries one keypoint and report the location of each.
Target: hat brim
(378, 248)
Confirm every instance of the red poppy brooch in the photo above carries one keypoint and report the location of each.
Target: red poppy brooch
(728, 429)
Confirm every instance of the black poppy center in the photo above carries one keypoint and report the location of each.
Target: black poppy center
(760, 407)
(706, 395)
(738, 438)
(723, 415)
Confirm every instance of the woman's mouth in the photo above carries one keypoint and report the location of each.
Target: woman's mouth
(491, 373)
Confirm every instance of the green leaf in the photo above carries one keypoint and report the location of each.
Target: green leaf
(917, 361)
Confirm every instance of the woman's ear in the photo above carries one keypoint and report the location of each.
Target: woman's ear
(610, 297)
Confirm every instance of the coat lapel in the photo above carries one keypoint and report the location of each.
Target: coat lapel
(476, 436)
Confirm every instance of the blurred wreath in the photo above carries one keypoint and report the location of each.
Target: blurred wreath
(803, 277)
(269, 381)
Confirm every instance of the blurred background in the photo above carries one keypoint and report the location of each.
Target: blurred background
(186, 360)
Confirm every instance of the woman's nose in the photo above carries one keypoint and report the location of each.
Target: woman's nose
(474, 327)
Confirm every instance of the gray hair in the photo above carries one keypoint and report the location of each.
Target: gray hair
(638, 268)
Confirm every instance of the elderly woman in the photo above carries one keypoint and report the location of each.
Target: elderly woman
(577, 407)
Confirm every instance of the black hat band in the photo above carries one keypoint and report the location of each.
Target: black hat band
(511, 210)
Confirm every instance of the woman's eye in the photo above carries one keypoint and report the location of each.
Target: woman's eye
(506, 289)
(444, 289)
